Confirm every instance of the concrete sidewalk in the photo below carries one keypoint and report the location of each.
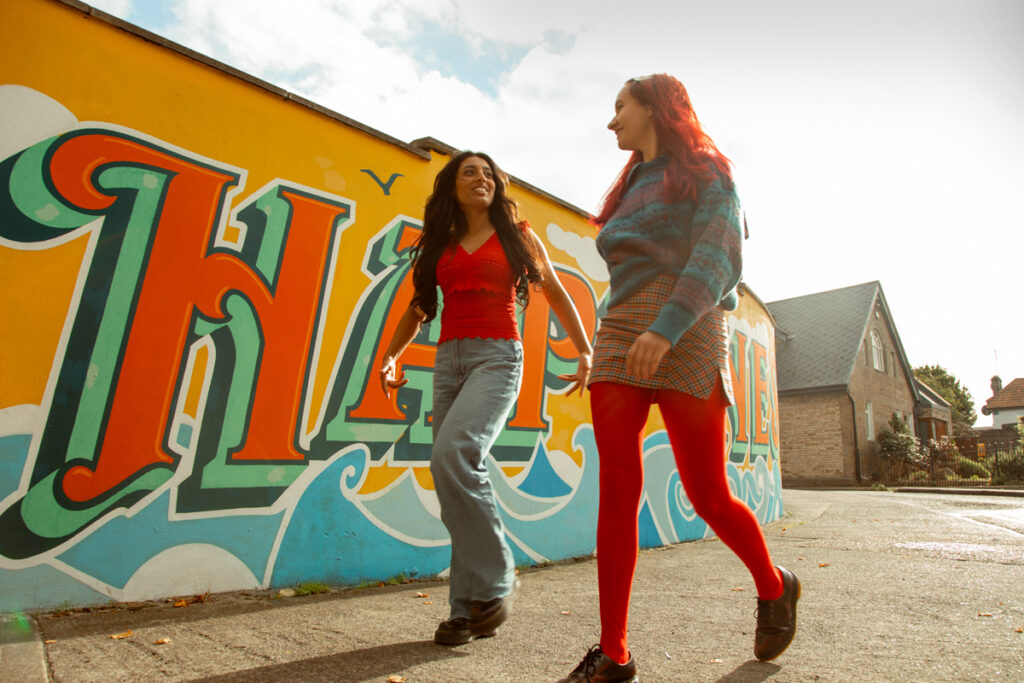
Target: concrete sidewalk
(895, 587)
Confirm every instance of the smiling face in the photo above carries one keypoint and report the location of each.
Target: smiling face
(633, 125)
(474, 184)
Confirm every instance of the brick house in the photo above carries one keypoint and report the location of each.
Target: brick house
(842, 373)
(1006, 406)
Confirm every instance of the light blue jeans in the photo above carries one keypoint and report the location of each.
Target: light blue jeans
(476, 382)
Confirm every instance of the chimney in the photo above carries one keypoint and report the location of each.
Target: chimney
(997, 385)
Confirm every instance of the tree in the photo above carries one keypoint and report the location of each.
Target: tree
(948, 387)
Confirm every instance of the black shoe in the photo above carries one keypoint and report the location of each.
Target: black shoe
(597, 667)
(776, 619)
(456, 631)
(487, 615)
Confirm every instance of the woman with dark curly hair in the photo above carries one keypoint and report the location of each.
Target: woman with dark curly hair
(485, 260)
(670, 230)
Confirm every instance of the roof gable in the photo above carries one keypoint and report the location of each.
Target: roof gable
(820, 336)
(929, 395)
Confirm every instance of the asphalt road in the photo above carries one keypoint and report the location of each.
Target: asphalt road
(896, 587)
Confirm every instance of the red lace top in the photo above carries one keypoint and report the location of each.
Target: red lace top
(478, 293)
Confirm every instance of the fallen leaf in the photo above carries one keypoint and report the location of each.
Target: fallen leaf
(801, 558)
(286, 592)
(162, 641)
(422, 595)
(668, 655)
(1020, 630)
(566, 613)
(823, 564)
(181, 603)
(51, 642)
(739, 590)
(396, 679)
(121, 636)
(716, 661)
(428, 602)
(984, 614)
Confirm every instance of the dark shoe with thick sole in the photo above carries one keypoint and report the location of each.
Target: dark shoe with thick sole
(597, 667)
(776, 619)
(487, 615)
(456, 631)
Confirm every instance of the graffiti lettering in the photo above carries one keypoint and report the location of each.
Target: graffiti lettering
(195, 336)
(752, 418)
(158, 278)
(401, 425)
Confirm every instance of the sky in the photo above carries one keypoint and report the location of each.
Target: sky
(872, 140)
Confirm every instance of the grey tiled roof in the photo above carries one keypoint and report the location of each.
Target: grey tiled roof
(820, 334)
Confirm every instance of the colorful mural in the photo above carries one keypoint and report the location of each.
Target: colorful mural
(188, 399)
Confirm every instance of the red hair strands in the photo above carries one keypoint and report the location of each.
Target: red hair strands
(693, 156)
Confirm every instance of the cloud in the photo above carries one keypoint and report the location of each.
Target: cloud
(29, 116)
(119, 8)
(583, 249)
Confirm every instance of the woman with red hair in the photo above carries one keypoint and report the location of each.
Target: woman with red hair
(671, 231)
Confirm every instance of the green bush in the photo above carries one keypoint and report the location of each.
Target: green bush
(896, 443)
(919, 477)
(1008, 469)
(970, 469)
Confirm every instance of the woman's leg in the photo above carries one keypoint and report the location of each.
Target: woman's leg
(620, 414)
(473, 396)
(696, 429)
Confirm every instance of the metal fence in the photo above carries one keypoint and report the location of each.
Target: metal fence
(960, 462)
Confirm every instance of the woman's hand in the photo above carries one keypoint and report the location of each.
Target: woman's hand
(582, 374)
(646, 353)
(387, 377)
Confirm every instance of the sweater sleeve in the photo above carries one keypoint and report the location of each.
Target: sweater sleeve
(715, 262)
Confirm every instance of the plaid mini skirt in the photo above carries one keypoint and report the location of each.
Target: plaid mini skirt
(693, 365)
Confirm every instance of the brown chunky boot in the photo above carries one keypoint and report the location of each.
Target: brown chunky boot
(597, 667)
(776, 619)
(486, 616)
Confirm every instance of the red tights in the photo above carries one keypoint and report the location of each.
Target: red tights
(696, 430)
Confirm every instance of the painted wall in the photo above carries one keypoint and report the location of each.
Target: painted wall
(199, 275)
(1007, 417)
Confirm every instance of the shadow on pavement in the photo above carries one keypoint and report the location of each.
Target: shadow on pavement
(120, 616)
(752, 671)
(374, 663)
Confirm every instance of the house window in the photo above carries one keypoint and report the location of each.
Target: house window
(877, 354)
(870, 422)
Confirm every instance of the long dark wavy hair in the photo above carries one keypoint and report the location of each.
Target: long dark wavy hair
(444, 225)
(693, 156)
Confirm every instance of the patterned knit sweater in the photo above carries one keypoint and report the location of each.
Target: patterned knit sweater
(700, 242)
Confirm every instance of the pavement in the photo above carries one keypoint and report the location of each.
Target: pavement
(895, 588)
